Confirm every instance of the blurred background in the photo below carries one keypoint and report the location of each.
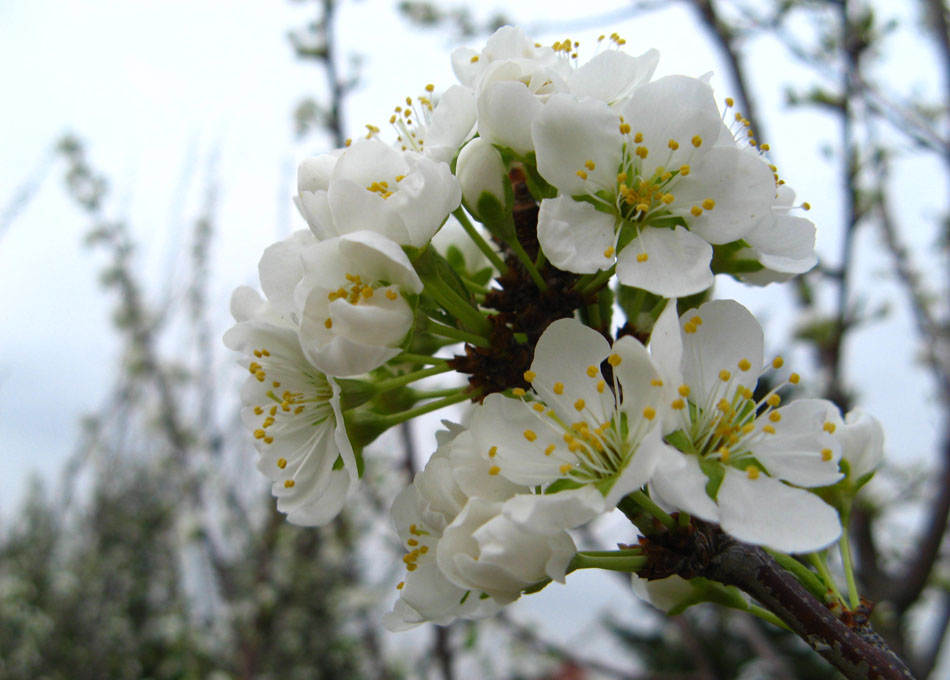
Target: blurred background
(148, 155)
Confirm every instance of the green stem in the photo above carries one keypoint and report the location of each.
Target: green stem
(409, 357)
(436, 328)
(593, 282)
(458, 306)
(804, 575)
(541, 260)
(403, 380)
(682, 520)
(434, 394)
(593, 314)
(462, 394)
(818, 562)
(845, 548)
(618, 563)
(659, 513)
(528, 264)
(479, 242)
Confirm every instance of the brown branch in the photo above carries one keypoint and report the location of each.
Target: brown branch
(704, 550)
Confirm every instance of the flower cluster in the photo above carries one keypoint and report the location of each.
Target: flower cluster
(583, 189)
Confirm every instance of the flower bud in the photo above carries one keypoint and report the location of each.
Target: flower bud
(485, 188)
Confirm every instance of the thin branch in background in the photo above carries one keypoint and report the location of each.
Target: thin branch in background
(25, 192)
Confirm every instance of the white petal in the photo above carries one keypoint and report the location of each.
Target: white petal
(574, 235)
(765, 511)
(862, 442)
(506, 110)
(727, 334)
(569, 133)
(784, 243)
(381, 258)
(678, 108)
(329, 505)
(677, 262)
(564, 354)
(741, 185)
(554, 512)
(679, 483)
(612, 75)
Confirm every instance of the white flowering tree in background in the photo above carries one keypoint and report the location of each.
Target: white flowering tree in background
(603, 203)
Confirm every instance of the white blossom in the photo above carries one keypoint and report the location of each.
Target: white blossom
(742, 460)
(293, 412)
(371, 186)
(596, 436)
(645, 185)
(351, 300)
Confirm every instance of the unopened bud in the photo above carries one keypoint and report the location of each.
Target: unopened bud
(481, 172)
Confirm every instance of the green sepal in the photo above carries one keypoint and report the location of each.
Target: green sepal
(354, 392)
(431, 266)
(363, 427)
(561, 485)
(537, 587)
(705, 590)
(360, 463)
(715, 473)
(680, 441)
(483, 276)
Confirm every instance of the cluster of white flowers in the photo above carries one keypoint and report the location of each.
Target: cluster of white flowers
(634, 177)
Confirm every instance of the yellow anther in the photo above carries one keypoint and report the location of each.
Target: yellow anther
(589, 164)
(530, 435)
(275, 384)
(697, 141)
(529, 376)
(794, 378)
(614, 360)
(744, 364)
(744, 392)
(724, 375)
(412, 542)
(558, 388)
(391, 295)
(412, 566)
(695, 211)
(683, 390)
(348, 142)
(643, 207)
(724, 406)
(592, 371)
(773, 400)
(724, 454)
(778, 362)
(328, 323)
(582, 174)
(258, 410)
(423, 549)
(538, 406)
(609, 251)
(259, 434)
(730, 102)
(518, 392)
(288, 483)
(580, 404)
(600, 386)
(656, 382)
(565, 468)
(826, 454)
(673, 144)
(400, 585)
(806, 206)
(829, 427)
(752, 472)
(637, 138)
(768, 429)
(642, 151)
(765, 147)
(492, 452)
(366, 292)
(667, 198)
(775, 416)
(684, 170)
(649, 413)
(689, 327)
(678, 404)
(747, 428)
(708, 204)
(642, 257)
(549, 450)
(625, 128)
(430, 87)
(494, 470)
